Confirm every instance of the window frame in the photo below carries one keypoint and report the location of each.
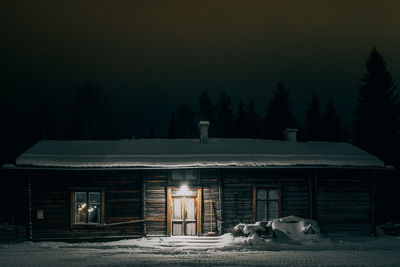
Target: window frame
(255, 188)
(74, 224)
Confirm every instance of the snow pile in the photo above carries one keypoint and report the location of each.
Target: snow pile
(295, 228)
(259, 228)
(286, 228)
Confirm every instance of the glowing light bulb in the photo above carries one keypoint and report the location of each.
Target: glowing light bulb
(184, 187)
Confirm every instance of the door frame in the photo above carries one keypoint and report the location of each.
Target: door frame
(198, 201)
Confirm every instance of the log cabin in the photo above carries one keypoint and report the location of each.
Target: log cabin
(166, 187)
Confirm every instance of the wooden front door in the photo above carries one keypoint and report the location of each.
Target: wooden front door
(184, 221)
(184, 211)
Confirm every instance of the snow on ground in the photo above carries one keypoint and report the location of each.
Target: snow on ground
(227, 250)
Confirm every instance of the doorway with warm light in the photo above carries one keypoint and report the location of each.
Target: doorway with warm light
(184, 211)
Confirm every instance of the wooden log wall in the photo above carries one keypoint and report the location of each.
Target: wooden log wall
(211, 206)
(295, 195)
(10, 232)
(14, 201)
(344, 202)
(155, 202)
(238, 193)
(51, 192)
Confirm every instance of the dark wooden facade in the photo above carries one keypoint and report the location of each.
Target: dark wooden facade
(51, 193)
(341, 200)
(346, 201)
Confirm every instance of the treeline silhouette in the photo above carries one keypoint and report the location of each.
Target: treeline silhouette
(245, 122)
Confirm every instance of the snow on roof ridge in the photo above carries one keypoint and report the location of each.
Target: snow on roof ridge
(197, 155)
(196, 165)
(185, 139)
(189, 152)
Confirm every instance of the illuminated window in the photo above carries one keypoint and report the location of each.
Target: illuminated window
(87, 207)
(267, 202)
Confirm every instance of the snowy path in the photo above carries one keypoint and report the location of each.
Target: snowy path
(364, 252)
(140, 257)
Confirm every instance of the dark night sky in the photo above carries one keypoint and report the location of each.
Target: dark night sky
(151, 56)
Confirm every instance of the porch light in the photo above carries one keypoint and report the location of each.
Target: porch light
(184, 188)
(184, 191)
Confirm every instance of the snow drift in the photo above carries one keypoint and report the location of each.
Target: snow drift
(295, 228)
(286, 228)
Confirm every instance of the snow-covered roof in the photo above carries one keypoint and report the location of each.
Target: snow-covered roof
(189, 153)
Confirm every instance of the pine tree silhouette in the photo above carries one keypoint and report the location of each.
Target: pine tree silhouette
(224, 117)
(332, 129)
(182, 123)
(279, 115)
(173, 127)
(254, 127)
(89, 112)
(241, 123)
(206, 107)
(376, 122)
(313, 121)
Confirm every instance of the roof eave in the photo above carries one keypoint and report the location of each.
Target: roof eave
(14, 167)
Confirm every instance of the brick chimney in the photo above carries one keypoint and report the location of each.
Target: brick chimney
(290, 135)
(203, 127)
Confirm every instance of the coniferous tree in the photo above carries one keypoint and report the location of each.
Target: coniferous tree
(206, 107)
(173, 127)
(376, 122)
(89, 112)
(185, 122)
(254, 129)
(279, 115)
(332, 129)
(224, 117)
(313, 121)
(241, 122)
